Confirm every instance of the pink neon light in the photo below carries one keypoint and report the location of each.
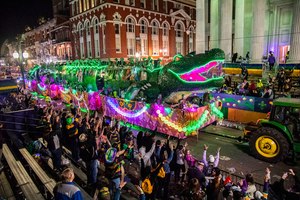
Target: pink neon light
(195, 74)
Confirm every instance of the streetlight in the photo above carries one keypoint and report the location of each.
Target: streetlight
(20, 59)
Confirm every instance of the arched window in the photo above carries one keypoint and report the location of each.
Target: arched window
(130, 34)
(143, 27)
(96, 37)
(155, 28)
(88, 39)
(144, 37)
(130, 25)
(179, 30)
(165, 39)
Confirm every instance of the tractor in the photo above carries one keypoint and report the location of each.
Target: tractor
(276, 138)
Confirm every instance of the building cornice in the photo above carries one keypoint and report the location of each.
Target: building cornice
(108, 5)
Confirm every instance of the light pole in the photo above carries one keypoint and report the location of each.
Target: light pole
(20, 60)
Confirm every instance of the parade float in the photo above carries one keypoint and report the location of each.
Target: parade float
(139, 92)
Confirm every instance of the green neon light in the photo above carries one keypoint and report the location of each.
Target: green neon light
(177, 56)
(156, 69)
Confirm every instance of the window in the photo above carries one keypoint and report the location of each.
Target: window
(155, 28)
(117, 38)
(130, 2)
(191, 40)
(89, 49)
(143, 27)
(88, 28)
(130, 25)
(155, 46)
(116, 1)
(179, 37)
(131, 46)
(104, 39)
(165, 30)
(130, 34)
(165, 39)
(144, 46)
(117, 28)
(165, 6)
(179, 31)
(155, 5)
(143, 3)
(96, 38)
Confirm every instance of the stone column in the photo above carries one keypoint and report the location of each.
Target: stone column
(294, 56)
(200, 26)
(239, 28)
(226, 28)
(258, 30)
(214, 24)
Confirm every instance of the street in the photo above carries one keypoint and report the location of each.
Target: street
(235, 156)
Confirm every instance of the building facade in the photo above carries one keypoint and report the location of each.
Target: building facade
(51, 40)
(129, 28)
(254, 26)
(162, 28)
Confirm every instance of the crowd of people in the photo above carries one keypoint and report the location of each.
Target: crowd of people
(14, 101)
(153, 166)
(282, 80)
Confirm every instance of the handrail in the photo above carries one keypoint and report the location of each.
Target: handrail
(16, 111)
(20, 117)
(16, 123)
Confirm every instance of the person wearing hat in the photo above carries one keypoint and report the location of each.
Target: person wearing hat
(212, 161)
(197, 172)
(88, 153)
(114, 171)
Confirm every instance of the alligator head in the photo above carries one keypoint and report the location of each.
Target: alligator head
(193, 72)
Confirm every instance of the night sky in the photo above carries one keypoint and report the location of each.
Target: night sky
(16, 14)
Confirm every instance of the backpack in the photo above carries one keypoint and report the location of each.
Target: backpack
(147, 186)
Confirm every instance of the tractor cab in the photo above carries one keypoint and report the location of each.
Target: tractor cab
(278, 136)
(287, 112)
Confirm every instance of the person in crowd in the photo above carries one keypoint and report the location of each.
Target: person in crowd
(287, 85)
(53, 140)
(284, 189)
(197, 172)
(193, 192)
(271, 61)
(248, 56)
(72, 136)
(145, 160)
(88, 153)
(163, 183)
(180, 164)
(212, 161)
(215, 184)
(244, 72)
(281, 79)
(114, 171)
(234, 57)
(67, 189)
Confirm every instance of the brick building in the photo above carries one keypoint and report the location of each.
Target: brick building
(51, 40)
(127, 28)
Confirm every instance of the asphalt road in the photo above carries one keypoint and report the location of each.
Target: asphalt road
(235, 156)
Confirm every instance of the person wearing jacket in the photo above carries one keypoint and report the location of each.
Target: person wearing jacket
(66, 189)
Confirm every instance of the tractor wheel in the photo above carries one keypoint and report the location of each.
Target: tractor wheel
(269, 145)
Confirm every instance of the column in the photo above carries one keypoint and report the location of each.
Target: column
(226, 28)
(239, 28)
(258, 30)
(214, 24)
(200, 26)
(294, 56)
